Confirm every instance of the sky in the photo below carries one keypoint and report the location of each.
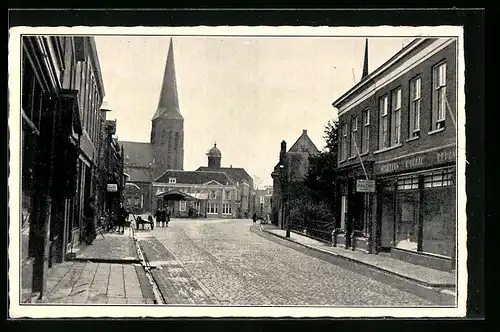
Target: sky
(246, 94)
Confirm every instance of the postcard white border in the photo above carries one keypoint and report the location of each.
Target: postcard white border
(44, 311)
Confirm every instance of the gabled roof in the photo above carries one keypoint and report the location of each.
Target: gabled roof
(304, 144)
(138, 174)
(194, 177)
(137, 154)
(237, 174)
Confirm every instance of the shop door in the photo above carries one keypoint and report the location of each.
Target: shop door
(387, 220)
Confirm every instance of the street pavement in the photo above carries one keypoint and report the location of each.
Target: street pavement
(221, 262)
(106, 272)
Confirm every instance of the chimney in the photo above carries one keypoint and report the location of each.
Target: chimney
(304, 132)
(230, 166)
(283, 146)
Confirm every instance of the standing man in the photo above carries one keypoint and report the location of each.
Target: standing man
(89, 217)
(158, 217)
(122, 216)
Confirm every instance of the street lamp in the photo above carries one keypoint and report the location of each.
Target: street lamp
(284, 194)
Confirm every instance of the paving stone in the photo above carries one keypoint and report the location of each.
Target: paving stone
(224, 263)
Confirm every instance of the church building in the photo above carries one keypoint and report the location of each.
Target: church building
(155, 171)
(144, 162)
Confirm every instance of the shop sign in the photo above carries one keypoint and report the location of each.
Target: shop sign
(419, 161)
(112, 187)
(365, 186)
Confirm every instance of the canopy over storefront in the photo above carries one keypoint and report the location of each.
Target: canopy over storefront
(176, 195)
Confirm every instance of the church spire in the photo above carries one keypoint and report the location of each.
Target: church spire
(365, 62)
(168, 105)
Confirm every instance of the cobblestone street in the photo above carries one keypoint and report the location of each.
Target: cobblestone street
(223, 262)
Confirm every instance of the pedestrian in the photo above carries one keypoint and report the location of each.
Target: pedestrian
(158, 218)
(254, 218)
(89, 217)
(122, 216)
(164, 218)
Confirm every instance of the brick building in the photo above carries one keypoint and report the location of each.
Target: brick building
(292, 167)
(263, 202)
(62, 91)
(400, 121)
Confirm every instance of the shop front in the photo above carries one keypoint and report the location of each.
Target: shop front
(416, 214)
(354, 215)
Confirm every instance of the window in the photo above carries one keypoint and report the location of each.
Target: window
(438, 96)
(414, 107)
(440, 178)
(229, 194)
(343, 143)
(396, 117)
(365, 142)
(354, 133)
(383, 132)
(226, 209)
(182, 206)
(212, 208)
(406, 183)
(213, 194)
(172, 180)
(136, 201)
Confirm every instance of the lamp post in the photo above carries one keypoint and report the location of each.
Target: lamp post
(284, 187)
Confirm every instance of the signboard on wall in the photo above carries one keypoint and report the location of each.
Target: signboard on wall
(365, 186)
(112, 187)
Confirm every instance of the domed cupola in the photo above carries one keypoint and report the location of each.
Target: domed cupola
(214, 157)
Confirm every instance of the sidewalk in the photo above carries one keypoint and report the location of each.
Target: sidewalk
(416, 273)
(106, 272)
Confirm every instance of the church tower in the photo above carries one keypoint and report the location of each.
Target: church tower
(167, 130)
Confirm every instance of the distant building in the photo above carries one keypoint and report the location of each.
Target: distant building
(292, 167)
(401, 119)
(144, 162)
(263, 201)
(239, 176)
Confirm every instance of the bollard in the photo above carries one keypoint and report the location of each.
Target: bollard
(353, 238)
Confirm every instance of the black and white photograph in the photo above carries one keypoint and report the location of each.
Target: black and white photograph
(237, 171)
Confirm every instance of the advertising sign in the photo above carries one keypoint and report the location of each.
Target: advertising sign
(365, 186)
(112, 187)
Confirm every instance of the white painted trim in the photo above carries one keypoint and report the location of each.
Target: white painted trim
(213, 181)
(408, 65)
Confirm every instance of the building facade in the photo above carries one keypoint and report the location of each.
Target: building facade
(292, 167)
(239, 176)
(263, 199)
(397, 128)
(203, 194)
(62, 91)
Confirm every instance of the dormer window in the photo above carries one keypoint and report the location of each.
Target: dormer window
(172, 180)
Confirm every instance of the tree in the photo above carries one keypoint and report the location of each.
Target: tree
(321, 174)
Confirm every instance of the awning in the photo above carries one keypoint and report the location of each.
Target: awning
(176, 195)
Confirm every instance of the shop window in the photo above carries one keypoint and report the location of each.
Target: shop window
(440, 178)
(365, 142)
(438, 96)
(406, 228)
(414, 115)
(182, 206)
(439, 221)
(407, 183)
(384, 122)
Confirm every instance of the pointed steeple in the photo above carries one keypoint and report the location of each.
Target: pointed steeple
(168, 105)
(365, 62)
